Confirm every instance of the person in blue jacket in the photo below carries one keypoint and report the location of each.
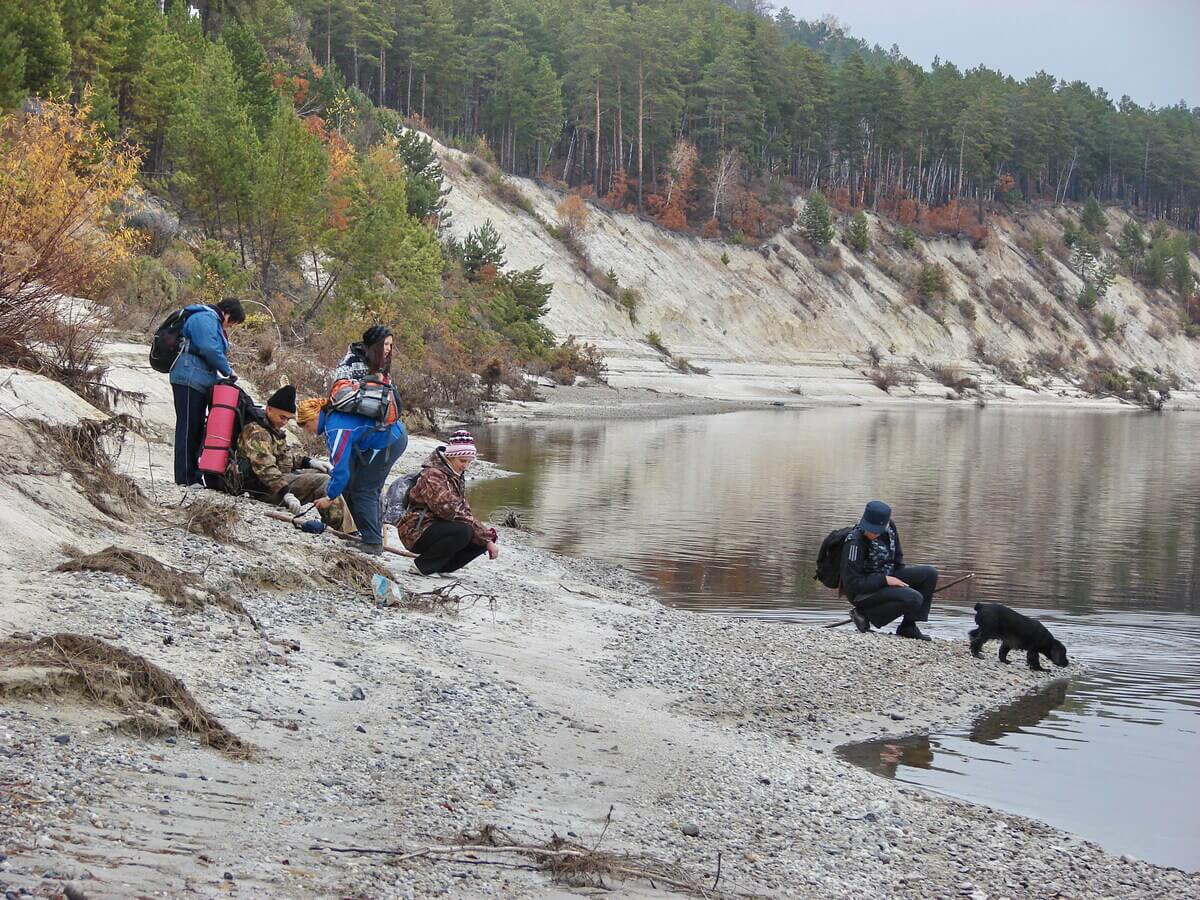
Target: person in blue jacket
(361, 450)
(202, 362)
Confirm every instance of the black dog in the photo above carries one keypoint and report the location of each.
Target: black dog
(1015, 632)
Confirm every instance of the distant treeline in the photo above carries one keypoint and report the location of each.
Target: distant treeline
(600, 92)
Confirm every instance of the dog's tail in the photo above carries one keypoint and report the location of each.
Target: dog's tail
(977, 605)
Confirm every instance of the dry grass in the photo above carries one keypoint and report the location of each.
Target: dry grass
(952, 376)
(182, 590)
(213, 519)
(352, 569)
(81, 451)
(117, 678)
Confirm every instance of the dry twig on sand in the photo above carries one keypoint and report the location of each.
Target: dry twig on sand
(124, 680)
(565, 861)
(180, 589)
(445, 600)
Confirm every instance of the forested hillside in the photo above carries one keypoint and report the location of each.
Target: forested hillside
(286, 135)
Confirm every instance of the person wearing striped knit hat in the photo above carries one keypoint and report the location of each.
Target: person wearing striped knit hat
(438, 524)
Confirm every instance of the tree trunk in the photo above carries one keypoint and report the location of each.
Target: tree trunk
(408, 91)
(596, 161)
(328, 32)
(382, 71)
(641, 125)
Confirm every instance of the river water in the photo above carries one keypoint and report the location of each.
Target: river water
(1089, 521)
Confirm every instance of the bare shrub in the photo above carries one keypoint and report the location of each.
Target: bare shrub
(1055, 361)
(888, 376)
(574, 217)
(874, 355)
(952, 376)
(830, 266)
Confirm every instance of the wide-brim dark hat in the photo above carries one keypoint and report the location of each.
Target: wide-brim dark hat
(875, 517)
(283, 399)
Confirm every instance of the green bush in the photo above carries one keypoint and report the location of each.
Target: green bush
(906, 237)
(931, 281)
(858, 233)
(1108, 325)
(816, 224)
(1087, 296)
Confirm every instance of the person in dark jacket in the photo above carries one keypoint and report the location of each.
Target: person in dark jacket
(880, 586)
(203, 361)
(362, 450)
(438, 525)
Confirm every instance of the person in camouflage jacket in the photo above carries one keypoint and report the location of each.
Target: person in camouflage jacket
(275, 472)
(438, 524)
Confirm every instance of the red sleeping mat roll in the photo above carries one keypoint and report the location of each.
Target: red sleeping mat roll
(218, 431)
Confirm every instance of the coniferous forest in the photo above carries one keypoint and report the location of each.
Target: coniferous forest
(265, 123)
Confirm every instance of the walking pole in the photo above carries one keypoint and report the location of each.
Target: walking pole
(283, 517)
(947, 585)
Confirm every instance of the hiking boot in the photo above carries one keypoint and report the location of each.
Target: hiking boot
(371, 549)
(912, 631)
(860, 620)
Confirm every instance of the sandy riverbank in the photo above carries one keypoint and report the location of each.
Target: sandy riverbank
(574, 692)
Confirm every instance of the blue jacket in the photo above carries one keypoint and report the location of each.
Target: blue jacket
(347, 434)
(203, 361)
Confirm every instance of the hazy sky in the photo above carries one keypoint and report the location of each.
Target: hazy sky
(1144, 48)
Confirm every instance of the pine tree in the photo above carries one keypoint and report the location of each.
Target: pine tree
(1182, 279)
(425, 180)
(482, 247)
(546, 109)
(858, 233)
(1092, 218)
(12, 69)
(39, 32)
(817, 223)
(250, 61)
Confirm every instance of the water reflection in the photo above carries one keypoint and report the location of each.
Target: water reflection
(1085, 520)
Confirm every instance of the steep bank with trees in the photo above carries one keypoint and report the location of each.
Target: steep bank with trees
(286, 135)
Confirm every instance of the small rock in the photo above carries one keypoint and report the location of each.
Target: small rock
(62, 739)
(360, 729)
(763, 779)
(172, 741)
(1129, 860)
(897, 717)
(228, 876)
(358, 693)
(691, 829)
(73, 892)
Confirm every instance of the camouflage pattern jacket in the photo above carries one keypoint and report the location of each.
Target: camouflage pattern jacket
(439, 493)
(268, 460)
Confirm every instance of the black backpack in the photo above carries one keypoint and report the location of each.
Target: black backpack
(829, 558)
(168, 341)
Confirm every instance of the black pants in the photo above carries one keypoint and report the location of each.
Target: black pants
(445, 547)
(191, 408)
(912, 602)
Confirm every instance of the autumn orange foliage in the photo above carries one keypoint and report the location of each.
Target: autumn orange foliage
(617, 190)
(60, 176)
(712, 229)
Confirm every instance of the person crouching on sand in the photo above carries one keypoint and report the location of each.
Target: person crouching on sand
(438, 524)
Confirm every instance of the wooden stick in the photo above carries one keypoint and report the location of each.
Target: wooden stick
(948, 584)
(284, 517)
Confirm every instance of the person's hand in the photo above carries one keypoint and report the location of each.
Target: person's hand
(320, 465)
(493, 549)
(292, 502)
(893, 581)
(232, 375)
(322, 504)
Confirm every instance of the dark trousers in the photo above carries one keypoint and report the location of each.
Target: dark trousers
(445, 547)
(191, 408)
(368, 471)
(911, 602)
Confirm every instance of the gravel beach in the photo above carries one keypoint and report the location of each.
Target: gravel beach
(560, 700)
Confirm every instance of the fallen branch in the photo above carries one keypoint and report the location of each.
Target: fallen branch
(564, 861)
